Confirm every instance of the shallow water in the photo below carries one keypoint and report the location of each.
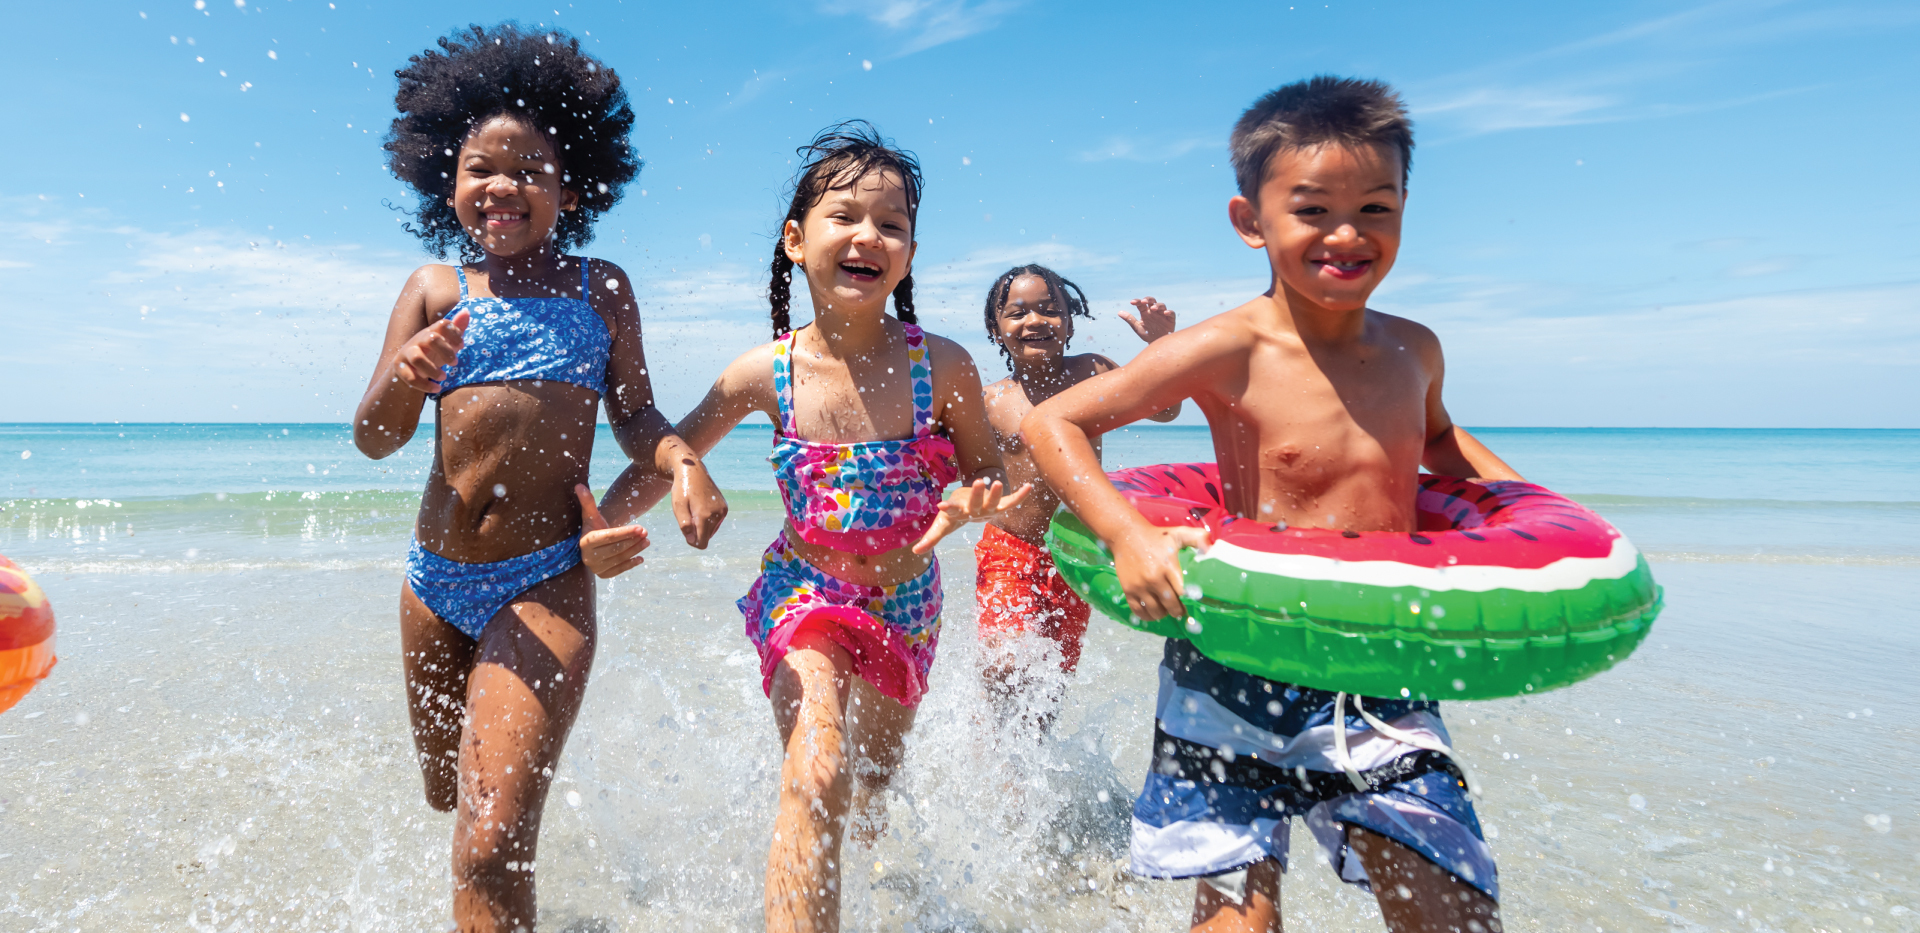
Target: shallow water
(224, 744)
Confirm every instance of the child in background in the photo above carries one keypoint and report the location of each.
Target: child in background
(870, 415)
(1029, 313)
(517, 347)
(1322, 413)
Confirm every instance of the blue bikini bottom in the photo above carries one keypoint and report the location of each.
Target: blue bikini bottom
(468, 596)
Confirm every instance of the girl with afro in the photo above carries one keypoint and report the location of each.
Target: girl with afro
(515, 143)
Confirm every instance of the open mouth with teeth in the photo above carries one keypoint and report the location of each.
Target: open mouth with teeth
(860, 271)
(505, 218)
(1343, 267)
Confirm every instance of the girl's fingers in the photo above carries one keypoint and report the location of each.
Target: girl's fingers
(411, 377)
(935, 532)
(1019, 495)
(614, 542)
(589, 510)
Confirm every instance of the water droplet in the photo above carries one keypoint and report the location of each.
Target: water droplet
(1193, 625)
(1636, 801)
(500, 489)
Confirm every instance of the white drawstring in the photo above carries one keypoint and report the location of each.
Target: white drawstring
(1341, 758)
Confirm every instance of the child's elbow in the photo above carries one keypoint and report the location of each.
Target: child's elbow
(376, 442)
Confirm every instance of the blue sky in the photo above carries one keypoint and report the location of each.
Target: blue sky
(1641, 214)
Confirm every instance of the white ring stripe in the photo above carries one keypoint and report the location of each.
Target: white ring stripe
(1567, 573)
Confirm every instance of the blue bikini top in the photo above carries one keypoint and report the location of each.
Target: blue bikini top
(559, 339)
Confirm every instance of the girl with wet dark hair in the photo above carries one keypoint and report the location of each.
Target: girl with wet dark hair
(515, 142)
(873, 419)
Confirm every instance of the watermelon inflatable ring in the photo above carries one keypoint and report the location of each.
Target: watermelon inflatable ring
(26, 634)
(1505, 589)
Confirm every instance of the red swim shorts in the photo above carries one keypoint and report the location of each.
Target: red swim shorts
(1019, 590)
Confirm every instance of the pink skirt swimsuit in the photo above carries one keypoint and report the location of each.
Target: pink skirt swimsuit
(866, 498)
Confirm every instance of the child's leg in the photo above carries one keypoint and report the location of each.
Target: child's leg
(526, 686)
(1258, 911)
(809, 696)
(437, 658)
(1416, 895)
(879, 727)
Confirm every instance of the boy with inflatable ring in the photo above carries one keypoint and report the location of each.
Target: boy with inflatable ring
(1323, 413)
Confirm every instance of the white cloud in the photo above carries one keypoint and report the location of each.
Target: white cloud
(1144, 150)
(1625, 74)
(1492, 109)
(923, 24)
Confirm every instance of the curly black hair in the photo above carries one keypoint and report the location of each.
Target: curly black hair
(545, 80)
(839, 156)
(1066, 296)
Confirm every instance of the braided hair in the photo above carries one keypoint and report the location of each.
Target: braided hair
(839, 156)
(542, 80)
(1066, 295)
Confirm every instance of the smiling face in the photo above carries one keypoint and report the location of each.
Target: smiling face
(855, 244)
(1031, 325)
(507, 192)
(1329, 220)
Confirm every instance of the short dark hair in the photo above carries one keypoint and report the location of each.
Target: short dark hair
(1322, 109)
(543, 80)
(840, 156)
(1066, 295)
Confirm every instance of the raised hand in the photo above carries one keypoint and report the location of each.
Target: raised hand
(969, 503)
(1148, 565)
(697, 503)
(422, 360)
(608, 552)
(1154, 322)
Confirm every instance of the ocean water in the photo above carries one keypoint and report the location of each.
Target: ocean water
(224, 744)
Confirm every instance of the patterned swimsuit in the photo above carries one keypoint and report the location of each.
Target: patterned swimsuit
(865, 498)
(511, 339)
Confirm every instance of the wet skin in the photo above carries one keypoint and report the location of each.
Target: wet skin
(1322, 412)
(850, 384)
(491, 716)
(1034, 330)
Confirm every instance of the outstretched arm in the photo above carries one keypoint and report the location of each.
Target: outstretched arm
(961, 408)
(1057, 433)
(644, 433)
(744, 386)
(1156, 320)
(1450, 450)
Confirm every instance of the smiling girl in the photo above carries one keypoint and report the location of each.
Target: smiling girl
(871, 415)
(515, 144)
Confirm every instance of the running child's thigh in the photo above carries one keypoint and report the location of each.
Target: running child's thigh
(528, 679)
(436, 658)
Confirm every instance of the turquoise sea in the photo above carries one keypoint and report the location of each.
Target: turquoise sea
(223, 746)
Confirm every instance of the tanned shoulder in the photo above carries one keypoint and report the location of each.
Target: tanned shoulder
(1411, 334)
(438, 285)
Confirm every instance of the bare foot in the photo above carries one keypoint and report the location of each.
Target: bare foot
(868, 821)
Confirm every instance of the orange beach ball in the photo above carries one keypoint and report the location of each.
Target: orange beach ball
(26, 634)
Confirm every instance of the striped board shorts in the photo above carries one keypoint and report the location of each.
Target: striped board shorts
(1236, 756)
